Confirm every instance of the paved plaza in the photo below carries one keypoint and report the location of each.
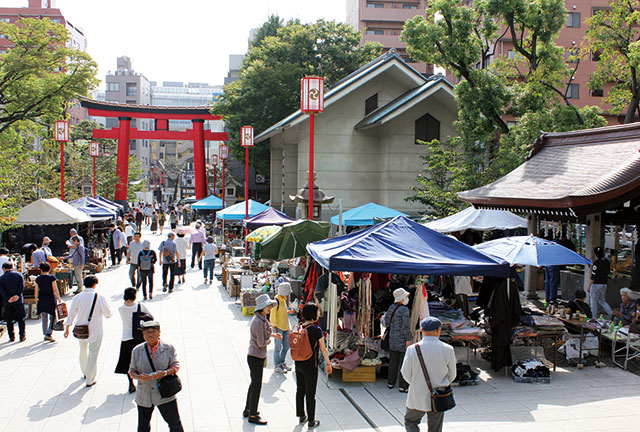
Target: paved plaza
(41, 386)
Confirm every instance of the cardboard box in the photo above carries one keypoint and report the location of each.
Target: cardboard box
(360, 374)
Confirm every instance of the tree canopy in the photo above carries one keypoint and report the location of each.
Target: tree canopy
(529, 84)
(40, 74)
(269, 86)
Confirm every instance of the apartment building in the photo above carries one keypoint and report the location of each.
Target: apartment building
(382, 21)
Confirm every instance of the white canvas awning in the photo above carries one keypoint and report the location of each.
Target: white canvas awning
(50, 211)
(478, 219)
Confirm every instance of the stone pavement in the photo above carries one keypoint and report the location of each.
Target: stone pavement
(41, 387)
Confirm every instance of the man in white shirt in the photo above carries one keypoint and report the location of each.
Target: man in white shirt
(79, 311)
(440, 362)
(132, 257)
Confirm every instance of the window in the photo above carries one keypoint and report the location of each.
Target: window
(7, 20)
(572, 55)
(573, 19)
(597, 93)
(132, 144)
(132, 89)
(511, 54)
(573, 92)
(375, 5)
(56, 20)
(427, 128)
(113, 86)
(371, 104)
(409, 6)
(375, 32)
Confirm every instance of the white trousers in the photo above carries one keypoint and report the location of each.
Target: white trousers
(89, 359)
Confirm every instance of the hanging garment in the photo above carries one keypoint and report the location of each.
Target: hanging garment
(505, 311)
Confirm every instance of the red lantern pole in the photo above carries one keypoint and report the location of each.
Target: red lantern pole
(224, 154)
(94, 152)
(223, 189)
(94, 177)
(311, 143)
(246, 141)
(311, 102)
(61, 134)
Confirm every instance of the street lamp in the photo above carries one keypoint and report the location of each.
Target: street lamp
(224, 155)
(246, 141)
(94, 152)
(311, 102)
(214, 163)
(62, 136)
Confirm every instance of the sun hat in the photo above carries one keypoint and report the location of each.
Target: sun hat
(263, 300)
(284, 289)
(149, 324)
(430, 324)
(399, 295)
(146, 244)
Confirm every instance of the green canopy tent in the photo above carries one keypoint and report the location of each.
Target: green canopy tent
(291, 241)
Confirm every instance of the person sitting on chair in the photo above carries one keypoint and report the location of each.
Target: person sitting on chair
(579, 305)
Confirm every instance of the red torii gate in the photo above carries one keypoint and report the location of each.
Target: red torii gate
(124, 132)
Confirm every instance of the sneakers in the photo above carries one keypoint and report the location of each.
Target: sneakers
(164, 288)
(285, 366)
(280, 369)
(314, 423)
(150, 295)
(206, 281)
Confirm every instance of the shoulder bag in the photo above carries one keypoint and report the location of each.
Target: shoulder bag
(167, 386)
(82, 331)
(138, 317)
(384, 344)
(441, 400)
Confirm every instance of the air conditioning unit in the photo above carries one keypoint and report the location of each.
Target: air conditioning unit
(260, 179)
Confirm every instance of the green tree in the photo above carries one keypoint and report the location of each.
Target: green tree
(613, 35)
(41, 73)
(531, 85)
(269, 86)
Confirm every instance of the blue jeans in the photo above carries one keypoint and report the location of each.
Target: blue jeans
(209, 265)
(597, 297)
(551, 282)
(281, 348)
(47, 323)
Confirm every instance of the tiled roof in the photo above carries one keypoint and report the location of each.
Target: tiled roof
(570, 173)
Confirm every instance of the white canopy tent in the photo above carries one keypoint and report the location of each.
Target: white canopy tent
(478, 219)
(50, 211)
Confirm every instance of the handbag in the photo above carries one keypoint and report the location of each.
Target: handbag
(441, 400)
(384, 344)
(61, 311)
(136, 319)
(82, 331)
(168, 385)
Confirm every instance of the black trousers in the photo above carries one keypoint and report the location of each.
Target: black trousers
(256, 367)
(114, 258)
(196, 250)
(146, 275)
(306, 383)
(395, 363)
(14, 312)
(171, 269)
(169, 413)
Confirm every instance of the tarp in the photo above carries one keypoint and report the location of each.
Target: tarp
(478, 219)
(50, 211)
(270, 216)
(236, 211)
(531, 250)
(291, 241)
(94, 208)
(365, 214)
(401, 246)
(113, 204)
(211, 202)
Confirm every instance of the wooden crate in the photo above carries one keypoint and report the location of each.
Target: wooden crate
(360, 374)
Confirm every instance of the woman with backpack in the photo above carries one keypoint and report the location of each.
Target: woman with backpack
(397, 320)
(146, 261)
(129, 341)
(307, 370)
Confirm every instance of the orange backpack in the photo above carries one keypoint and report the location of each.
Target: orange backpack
(300, 345)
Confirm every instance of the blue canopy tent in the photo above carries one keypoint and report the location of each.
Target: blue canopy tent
(270, 216)
(237, 211)
(94, 208)
(365, 214)
(107, 202)
(211, 202)
(401, 246)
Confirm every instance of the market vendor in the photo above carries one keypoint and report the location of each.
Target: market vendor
(27, 250)
(73, 233)
(624, 315)
(39, 256)
(578, 305)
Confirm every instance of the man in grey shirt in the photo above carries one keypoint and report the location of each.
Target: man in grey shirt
(169, 257)
(165, 362)
(132, 256)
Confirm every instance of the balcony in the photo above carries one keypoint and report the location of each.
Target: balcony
(387, 41)
(388, 14)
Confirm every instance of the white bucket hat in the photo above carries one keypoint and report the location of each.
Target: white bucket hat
(284, 289)
(399, 295)
(263, 300)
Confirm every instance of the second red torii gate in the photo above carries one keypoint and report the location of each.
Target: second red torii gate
(124, 133)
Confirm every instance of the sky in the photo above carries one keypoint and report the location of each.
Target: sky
(187, 40)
